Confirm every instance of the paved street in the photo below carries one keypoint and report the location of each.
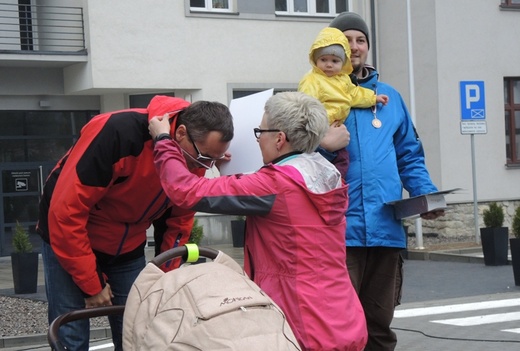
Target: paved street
(478, 323)
(449, 306)
(437, 280)
(458, 306)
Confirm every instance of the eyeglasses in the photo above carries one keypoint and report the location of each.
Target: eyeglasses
(201, 165)
(201, 159)
(259, 131)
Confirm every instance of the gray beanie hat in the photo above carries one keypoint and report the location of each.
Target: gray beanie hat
(334, 49)
(350, 20)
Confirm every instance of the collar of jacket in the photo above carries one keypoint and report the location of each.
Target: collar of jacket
(287, 155)
(368, 72)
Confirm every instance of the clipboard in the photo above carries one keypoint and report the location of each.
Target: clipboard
(417, 205)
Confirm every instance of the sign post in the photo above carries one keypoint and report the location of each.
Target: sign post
(473, 121)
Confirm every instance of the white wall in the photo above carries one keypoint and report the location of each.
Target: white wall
(455, 41)
(151, 48)
(476, 45)
(140, 47)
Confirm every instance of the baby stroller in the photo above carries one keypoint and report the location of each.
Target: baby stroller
(208, 306)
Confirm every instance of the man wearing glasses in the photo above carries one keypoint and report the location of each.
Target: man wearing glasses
(104, 194)
(202, 160)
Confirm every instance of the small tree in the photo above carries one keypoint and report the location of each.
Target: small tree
(494, 216)
(240, 218)
(21, 242)
(197, 233)
(516, 223)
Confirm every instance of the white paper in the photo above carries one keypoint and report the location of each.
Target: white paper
(245, 152)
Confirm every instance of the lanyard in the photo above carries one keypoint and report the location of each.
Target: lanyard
(376, 122)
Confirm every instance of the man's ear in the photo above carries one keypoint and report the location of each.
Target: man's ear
(180, 132)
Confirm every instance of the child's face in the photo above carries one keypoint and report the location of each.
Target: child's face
(329, 64)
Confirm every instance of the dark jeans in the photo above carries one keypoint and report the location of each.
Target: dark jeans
(63, 296)
(376, 274)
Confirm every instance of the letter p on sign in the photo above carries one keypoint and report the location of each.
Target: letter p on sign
(472, 94)
(472, 100)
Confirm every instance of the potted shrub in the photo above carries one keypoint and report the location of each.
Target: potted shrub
(494, 237)
(515, 246)
(24, 262)
(197, 233)
(238, 231)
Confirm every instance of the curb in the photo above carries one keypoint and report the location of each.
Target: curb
(470, 255)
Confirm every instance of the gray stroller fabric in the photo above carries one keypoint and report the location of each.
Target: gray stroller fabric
(208, 306)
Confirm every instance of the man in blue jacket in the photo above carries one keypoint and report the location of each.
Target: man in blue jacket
(385, 156)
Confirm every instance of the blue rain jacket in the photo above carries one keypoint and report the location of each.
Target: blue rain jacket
(382, 161)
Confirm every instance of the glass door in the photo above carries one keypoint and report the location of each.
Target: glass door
(20, 194)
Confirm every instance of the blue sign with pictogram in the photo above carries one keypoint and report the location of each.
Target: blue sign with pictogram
(472, 100)
(472, 107)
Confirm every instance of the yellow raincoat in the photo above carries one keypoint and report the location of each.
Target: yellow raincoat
(337, 93)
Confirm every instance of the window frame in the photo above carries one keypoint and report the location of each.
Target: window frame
(311, 9)
(509, 4)
(238, 90)
(510, 107)
(209, 7)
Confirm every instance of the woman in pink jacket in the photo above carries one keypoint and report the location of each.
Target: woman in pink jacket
(295, 206)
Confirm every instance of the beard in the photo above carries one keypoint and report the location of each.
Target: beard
(357, 68)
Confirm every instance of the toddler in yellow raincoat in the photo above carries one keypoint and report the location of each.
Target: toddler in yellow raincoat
(329, 82)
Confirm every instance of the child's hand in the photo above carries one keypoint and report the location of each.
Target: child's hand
(382, 99)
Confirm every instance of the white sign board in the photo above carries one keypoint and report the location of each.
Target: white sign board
(245, 153)
(473, 127)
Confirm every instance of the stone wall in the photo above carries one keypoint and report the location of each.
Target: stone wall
(459, 219)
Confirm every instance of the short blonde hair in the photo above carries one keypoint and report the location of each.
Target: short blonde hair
(301, 117)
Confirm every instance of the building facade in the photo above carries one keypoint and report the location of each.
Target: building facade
(63, 61)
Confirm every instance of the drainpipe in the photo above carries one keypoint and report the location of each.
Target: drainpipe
(373, 38)
(411, 83)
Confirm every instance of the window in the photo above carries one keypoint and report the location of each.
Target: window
(512, 119)
(26, 28)
(510, 3)
(212, 5)
(311, 7)
(242, 93)
(143, 100)
(39, 136)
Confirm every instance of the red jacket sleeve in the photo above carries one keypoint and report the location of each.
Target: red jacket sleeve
(68, 216)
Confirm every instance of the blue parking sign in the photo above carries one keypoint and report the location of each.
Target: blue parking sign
(472, 100)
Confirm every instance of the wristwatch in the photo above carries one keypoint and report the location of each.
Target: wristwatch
(162, 136)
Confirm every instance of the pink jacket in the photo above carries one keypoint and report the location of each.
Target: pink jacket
(295, 243)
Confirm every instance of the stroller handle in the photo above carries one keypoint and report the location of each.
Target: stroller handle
(182, 251)
(52, 334)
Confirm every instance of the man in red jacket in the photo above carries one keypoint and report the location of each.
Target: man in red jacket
(104, 194)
